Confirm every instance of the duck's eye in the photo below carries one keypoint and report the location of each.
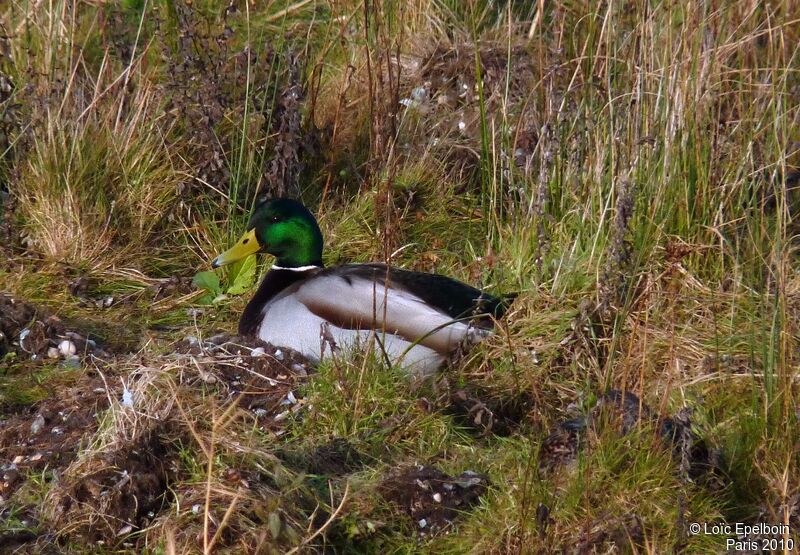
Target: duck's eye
(274, 219)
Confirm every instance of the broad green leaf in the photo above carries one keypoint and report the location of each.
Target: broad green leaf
(242, 275)
(207, 280)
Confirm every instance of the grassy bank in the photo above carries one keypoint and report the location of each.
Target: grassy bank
(631, 169)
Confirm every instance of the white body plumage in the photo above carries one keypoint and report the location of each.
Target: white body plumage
(402, 327)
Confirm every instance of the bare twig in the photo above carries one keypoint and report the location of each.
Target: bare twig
(327, 522)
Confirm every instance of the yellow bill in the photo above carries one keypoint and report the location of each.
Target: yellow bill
(246, 246)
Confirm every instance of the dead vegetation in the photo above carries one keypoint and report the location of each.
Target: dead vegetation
(630, 171)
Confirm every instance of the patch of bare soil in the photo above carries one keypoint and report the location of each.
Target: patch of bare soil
(335, 458)
(442, 92)
(124, 485)
(431, 498)
(259, 377)
(116, 480)
(606, 534)
(449, 73)
(119, 491)
(30, 331)
(486, 413)
(49, 434)
(562, 445)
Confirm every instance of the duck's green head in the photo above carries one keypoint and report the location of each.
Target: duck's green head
(283, 228)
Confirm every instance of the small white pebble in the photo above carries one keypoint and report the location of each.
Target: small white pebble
(37, 424)
(299, 370)
(423, 523)
(207, 377)
(127, 529)
(258, 352)
(127, 397)
(67, 348)
(53, 352)
(278, 354)
(437, 497)
(419, 94)
(196, 508)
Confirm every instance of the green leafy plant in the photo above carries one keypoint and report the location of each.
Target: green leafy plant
(241, 276)
(239, 279)
(208, 280)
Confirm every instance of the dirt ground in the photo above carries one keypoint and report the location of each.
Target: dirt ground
(121, 487)
(431, 498)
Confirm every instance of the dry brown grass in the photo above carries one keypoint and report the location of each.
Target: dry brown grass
(627, 168)
(186, 430)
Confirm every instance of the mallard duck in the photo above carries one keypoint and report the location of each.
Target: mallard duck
(412, 319)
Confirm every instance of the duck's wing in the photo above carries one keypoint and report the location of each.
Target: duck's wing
(449, 295)
(419, 307)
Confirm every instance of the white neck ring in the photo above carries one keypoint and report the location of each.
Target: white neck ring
(296, 269)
